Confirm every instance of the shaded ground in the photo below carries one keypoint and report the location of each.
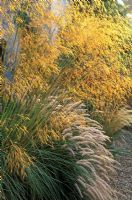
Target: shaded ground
(123, 154)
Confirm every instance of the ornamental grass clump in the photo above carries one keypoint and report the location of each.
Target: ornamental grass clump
(51, 149)
(114, 122)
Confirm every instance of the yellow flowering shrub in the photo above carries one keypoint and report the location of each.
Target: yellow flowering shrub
(98, 71)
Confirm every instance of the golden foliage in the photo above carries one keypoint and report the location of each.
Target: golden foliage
(98, 72)
(97, 49)
(18, 161)
(37, 51)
